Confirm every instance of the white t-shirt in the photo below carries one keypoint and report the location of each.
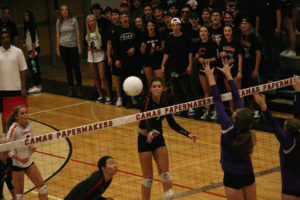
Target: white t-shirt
(28, 41)
(97, 56)
(12, 62)
(14, 133)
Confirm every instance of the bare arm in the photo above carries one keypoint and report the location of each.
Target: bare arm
(78, 44)
(23, 83)
(57, 46)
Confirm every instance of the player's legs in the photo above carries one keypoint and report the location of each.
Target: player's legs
(147, 170)
(18, 180)
(234, 194)
(162, 160)
(289, 197)
(250, 192)
(35, 176)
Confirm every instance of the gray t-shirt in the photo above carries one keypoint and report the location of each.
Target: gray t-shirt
(67, 32)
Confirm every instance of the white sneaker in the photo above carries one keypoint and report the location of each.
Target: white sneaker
(107, 100)
(290, 53)
(284, 52)
(119, 102)
(205, 115)
(34, 90)
(256, 114)
(214, 115)
(134, 101)
(191, 112)
(99, 100)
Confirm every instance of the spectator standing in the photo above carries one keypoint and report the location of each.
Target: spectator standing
(148, 12)
(12, 72)
(185, 15)
(68, 47)
(206, 18)
(158, 17)
(9, 26)
(31, 40)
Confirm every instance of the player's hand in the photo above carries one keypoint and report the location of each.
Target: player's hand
(23, 160)
(151, 135)
(193, 137)
(296, 84)
(131, 51)
(207, 70)
(118, 64)
(32, 149)
(260, 101)
(254, 74)
(226, 69)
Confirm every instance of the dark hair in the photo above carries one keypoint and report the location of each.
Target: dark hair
(115, 10)
(31, 22)
(96, 6)
(216, 10)
(12, 117)
(245, 140)
(107, 10)
(102, 163)
(229, 13)
(292, 128)
(156, 79)
(204, 27)
(61, 18)
(5, 8)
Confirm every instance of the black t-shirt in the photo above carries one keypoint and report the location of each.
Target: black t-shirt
(186, 27)
(216, 34)
(11, 27)
(194, 38)
(166, 33)
(178, 49)
(232, 50)
(103, 25)
(160, 26)
(250, 45)
(266, 11)
(152, 57)
(207, 50)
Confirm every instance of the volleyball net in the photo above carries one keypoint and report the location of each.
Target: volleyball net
(66, 157)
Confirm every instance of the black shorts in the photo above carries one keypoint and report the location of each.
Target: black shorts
(18, 169)
(7, 94)
(287, 9)
(157, 142)
(115, 71)
(291, 192)
(153, 67)
(238, 181)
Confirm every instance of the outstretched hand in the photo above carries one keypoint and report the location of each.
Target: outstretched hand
(193, 137)
(226, 69)
(207, 70)
(296, 84)
(260, 101)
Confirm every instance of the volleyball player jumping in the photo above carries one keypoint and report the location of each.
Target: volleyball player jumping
(289, 139)
(23, 163)
(93, 187)
(151, 141)
(237, 141)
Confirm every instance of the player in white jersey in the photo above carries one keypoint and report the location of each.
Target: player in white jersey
(20, 128)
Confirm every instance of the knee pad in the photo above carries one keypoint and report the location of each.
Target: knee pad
(169, 192)
(165, 177)
(147, 182)
(19, 196)
(43, 189)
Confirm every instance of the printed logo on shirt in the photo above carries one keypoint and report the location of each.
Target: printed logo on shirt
(25, 133)
(202, 51)
(246, 47)
(127, 36)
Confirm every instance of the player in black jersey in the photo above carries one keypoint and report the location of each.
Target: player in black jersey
(6, 171)
(151, 142)
(93, 187)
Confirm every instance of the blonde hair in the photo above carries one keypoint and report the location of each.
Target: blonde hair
(12, 117)
(88, 37)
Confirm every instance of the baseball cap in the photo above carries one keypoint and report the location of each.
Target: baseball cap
(124, 3)
(175, 20)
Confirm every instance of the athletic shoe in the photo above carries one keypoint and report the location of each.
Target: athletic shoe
(191, 112)
(119, 102)
(256, 114)
(35, 90)
(283, 53)
(108, 100)
(214, 115)
(290, 53)
(99, 100)
(205, 115)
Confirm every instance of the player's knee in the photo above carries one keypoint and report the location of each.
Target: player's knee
(147, 182)
(165, 177)
(19, 196)
(43, 189)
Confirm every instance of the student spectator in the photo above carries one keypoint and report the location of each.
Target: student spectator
(31, 40)
(216, 29)
(12, 72)
(231, 50)
(173, 10)
(96, 57)
(206, 18)
(229, 20)
(193, 4)
(168, 31)
(177, 62)
(247, 9)
(116, 72)
(126, 52)
(68, 47)
(268, 27)
(136, 9)
(125, 7)
(287, 23)
(9, 26)
(217, 5)
(148, 12)
(158, 17)
(185, 15)
(251, 60)
(139, 25)
(231, 7)
(206, 52)
(107, 13)
(151, 49)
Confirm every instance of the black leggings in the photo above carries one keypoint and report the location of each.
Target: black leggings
(36, 73)
(70, 57)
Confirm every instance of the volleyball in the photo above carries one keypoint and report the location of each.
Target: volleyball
(132, 86)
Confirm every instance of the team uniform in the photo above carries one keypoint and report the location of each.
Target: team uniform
(289, 154)
(16, 132)
(5, 175)
(90, 189)
(237, 171)
(155, 124)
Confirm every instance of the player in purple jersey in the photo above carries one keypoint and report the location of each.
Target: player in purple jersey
(237, 141)
(289, 152)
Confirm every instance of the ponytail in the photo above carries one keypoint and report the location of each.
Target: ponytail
(12, 117)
